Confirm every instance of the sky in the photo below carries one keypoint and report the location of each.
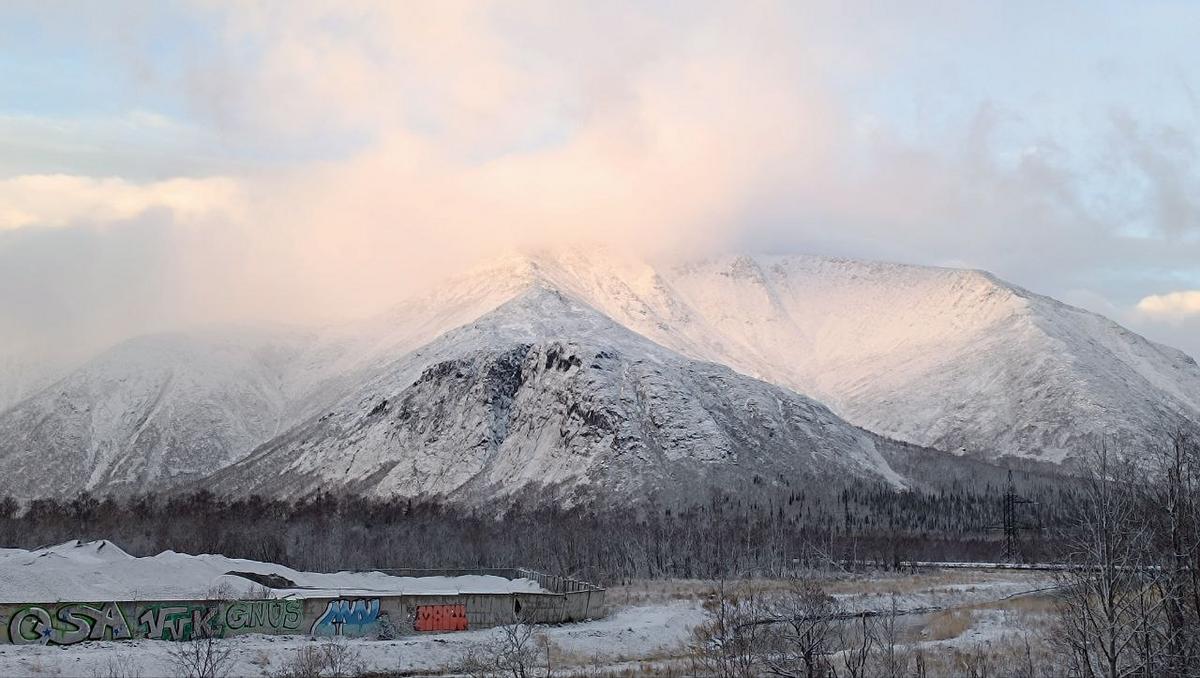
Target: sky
(167, 164)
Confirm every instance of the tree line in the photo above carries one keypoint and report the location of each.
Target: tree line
(721, 534)
(1126, 602)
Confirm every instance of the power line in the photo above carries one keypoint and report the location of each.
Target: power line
(1012, 524)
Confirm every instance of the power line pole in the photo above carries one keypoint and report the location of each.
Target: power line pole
(1012, 524)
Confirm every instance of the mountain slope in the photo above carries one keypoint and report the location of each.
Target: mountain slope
(163, 410)
(545, 392)
(952, 359)
(955, 359)
(23, 374)
(148, 413)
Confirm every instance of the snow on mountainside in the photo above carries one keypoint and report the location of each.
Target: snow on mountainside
(22, 375)
(163, 410)
(946, 358)
(546, 391)
(938, 357)
(150, 412)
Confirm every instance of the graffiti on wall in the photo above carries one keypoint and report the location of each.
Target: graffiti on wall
(441, 618)
(180, 621)
(70, 623)
(258, 615)
(360, 614)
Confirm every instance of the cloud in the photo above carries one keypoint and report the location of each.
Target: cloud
(480, 131)
(354, 150)
(1173, 305)
(57, 200)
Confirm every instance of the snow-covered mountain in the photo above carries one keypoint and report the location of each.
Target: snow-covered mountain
(23, 374)
(547, 391)
(587, 371)
(948, 358)
(168, 409)
(150, 412)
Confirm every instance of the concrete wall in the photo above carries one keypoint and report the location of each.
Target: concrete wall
(580, 600)
(380, 617)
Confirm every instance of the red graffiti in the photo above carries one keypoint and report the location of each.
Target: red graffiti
(442, 618)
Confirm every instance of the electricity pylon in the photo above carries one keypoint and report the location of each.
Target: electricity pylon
(1012, 523)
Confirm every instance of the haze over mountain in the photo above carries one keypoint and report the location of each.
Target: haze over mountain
(593, 373)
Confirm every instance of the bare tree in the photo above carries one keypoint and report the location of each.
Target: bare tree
(856, 640)
(731, 643)
(341, 659)
(206, 656)
(517, 654)
(799, 632)
(332, 658)
(975, 662)
(802, 620)
(306, 662)
(518, 651)
(1110, 604)
(893, 659)
(1173, 507)
(120, 666)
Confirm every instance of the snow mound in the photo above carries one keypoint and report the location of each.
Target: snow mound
(100, 571)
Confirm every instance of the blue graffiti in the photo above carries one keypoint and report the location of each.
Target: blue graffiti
(341, 613)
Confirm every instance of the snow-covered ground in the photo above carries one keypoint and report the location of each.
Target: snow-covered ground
(650, 624)
(100, 570)
(649, 631)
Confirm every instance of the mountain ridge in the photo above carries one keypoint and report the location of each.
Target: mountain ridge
(624, 416)
(855, 334)
(951, 359)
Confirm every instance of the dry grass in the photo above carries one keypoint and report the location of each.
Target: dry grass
(946, 625)
(1012, 657)
(641, 591)
(1032, 605)
(965, 639)
(670, 669)
(937, 581)
(657, 591)
(575, 662)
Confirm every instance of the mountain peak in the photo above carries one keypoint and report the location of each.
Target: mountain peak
(866, 337)
(940, 357)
